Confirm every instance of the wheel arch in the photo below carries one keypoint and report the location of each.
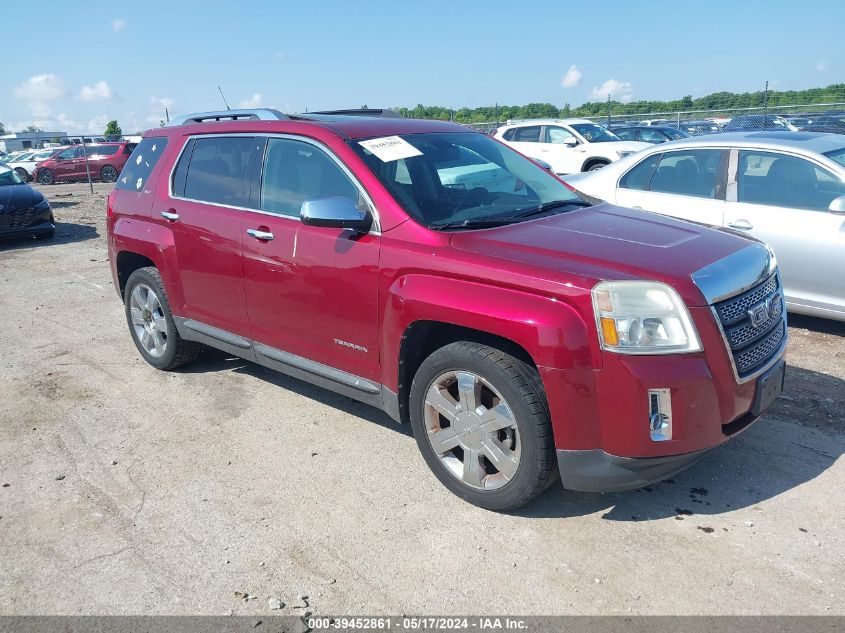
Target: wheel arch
(595, 160)
(126, 263)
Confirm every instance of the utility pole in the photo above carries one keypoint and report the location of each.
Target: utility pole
(87, 167)
(766, 106)
(608, 110)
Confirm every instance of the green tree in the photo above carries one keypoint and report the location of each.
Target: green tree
(113, 131)
(2, 129)
(32, 128)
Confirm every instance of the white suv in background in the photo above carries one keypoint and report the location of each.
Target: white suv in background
(568, 145)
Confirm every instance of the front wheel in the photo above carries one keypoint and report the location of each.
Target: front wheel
(151, 322)
(596, 166)
(108, 174)
(481, 421)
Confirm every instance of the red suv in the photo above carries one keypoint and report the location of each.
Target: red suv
(433, 272)
(104, 162)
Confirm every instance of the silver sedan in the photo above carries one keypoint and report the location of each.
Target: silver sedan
(784, 188)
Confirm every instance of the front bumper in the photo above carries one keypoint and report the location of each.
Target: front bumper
(45, 227)
(598, 471)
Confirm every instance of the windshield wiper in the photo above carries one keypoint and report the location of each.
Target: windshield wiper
(544, 207)
(471, 224)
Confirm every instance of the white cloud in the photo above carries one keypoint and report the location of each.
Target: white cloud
(252, 102)
(280, 56)
(41, 88)
(618, 90)
(99, 92)
(118, 24)
(822, 66)
(572, 77)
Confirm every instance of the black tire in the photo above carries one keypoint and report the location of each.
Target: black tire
(23, 173)
(596, 165)
(46, 177)
(520, 386)
(108, 174)
(177, 351)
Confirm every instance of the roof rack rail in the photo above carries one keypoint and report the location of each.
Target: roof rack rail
(254, 114)
(385, 112)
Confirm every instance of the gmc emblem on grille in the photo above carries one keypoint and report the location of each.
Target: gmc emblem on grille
(760, 313)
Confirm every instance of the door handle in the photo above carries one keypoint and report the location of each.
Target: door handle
(742, 225)
(264, 236)
(170, 216)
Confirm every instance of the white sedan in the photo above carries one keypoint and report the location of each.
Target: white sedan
(784, 188)
(568, 145)
(25, 165)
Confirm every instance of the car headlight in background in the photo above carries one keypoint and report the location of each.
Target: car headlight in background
(643, 317)
(623, 153)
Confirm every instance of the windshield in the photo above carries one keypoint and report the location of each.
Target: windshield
(837, 155)
(446, 178)
(8, 176)
(675, 134)
(594, 133)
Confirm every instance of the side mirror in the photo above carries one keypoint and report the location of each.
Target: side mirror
(837, 206)
(335, 212)
(570, 141)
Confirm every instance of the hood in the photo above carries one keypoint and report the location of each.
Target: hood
(608, 242)
(626, 146)
(18, 198)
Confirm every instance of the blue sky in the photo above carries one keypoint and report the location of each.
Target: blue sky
(132, 60)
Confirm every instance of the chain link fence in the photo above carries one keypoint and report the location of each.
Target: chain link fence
(823, 117)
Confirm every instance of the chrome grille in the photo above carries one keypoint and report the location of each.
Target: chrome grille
(736, 308)
(752, 344)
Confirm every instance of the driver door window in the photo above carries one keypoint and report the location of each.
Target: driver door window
(558, 135)
(295, 171)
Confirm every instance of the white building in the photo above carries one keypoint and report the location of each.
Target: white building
(27, 140)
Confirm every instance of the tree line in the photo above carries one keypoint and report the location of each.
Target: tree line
(716, 101)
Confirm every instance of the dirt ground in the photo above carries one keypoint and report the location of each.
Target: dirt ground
(218, 487)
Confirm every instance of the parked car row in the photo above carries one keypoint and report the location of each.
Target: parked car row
(784, 188)
(71, 163)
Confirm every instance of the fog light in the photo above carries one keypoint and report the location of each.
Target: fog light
(660, 414)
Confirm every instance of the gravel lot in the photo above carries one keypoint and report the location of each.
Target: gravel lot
(131, 491)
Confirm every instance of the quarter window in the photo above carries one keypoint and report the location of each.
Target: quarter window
(779, 180)
(295, 171)
(219, 170)
(138, 168)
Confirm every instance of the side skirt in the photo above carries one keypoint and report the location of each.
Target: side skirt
(310, 371)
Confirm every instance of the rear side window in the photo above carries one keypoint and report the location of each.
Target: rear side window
(139, 166)
(692, 172)
(101, 150)
(219, 170)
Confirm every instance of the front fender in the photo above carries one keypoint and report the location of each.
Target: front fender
(551, 331)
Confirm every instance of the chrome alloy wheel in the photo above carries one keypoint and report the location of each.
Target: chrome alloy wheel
(472, 430)
(148, 320)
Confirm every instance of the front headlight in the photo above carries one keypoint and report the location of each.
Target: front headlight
(643, 317)
(623, 153)
(42, 206)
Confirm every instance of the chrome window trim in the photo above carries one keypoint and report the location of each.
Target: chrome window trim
(376, 228)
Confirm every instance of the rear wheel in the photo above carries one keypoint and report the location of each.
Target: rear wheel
(596, 165)
(23, 173)
(108, 174)
(481, 421)
(46, 177)
(151, 322)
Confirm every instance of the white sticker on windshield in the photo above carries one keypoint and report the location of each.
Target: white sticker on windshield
(390, 148)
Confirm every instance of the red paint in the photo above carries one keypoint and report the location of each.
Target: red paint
(528, 282)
